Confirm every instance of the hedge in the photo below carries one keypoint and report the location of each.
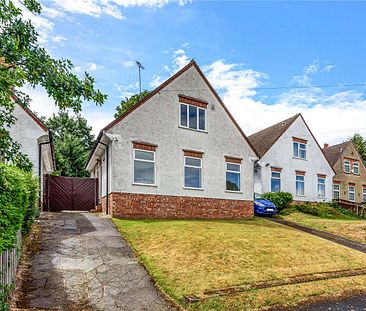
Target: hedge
(18, 203)
(282, 200)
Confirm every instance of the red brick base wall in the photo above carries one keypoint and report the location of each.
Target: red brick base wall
(132, 205)
(104, 205)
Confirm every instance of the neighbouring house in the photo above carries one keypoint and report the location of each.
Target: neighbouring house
(178, 153)
(35, 140)
(291, 160)
(349, 183)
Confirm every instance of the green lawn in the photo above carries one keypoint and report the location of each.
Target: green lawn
(189, 256)
(354, 229)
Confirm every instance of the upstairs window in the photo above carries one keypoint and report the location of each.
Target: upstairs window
(356, 168)
(192, 117)
(299, 148)
(364, 194)
(347, 166)
(336, 191)
(321, 187)
(233, 176)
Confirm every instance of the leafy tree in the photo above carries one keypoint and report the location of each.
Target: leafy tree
(128, 103)
(73, 141)
(24, 62)
(360, 144)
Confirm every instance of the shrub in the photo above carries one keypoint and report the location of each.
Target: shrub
(324, 210)
(18, 203)
(282, 200)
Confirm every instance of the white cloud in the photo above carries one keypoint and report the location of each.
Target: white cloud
(58, 39)
(41, 102)
(43, 105)
(332, 117)
(180, 59)
(78, 69)
(128, 63)
(51, 12)
(93, 66)
(113, 11)
(109, 7)
(98, 117)
(310, 70)
(156, 80)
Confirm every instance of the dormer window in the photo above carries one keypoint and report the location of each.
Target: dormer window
(192, 113)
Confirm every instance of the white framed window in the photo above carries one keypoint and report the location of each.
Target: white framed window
(192, 117)
(233, 171)
(300, 184)
(321, 187)
(347, 166)
(351, 193)
(275, 181)
(336, 191)
(356, 168)
(192, 172)
(144, 167)
(364, 194)
(299, 150)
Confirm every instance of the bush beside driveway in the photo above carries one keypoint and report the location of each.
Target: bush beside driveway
(189, 258)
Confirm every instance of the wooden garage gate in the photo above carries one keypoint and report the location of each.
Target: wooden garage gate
(69, 194)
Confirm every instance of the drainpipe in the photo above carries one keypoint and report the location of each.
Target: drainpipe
(107, 176)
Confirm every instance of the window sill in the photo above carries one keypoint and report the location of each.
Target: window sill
(232, 191)
(145, 185)
(190, 188)
(297, 158)
(194, 130)
(300, 195)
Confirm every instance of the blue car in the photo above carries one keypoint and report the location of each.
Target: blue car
(263, 206)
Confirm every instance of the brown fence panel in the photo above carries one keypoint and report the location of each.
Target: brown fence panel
(69, 193)
(84, 194)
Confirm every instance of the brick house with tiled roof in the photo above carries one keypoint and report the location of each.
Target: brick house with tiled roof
(349, 183)
(178, 153)
(291, 160)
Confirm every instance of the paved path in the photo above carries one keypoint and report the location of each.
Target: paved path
(78, 261)
(325, 235)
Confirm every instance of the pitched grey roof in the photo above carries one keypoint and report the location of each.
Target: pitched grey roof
(263, 140)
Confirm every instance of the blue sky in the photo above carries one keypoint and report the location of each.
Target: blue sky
(241, 46)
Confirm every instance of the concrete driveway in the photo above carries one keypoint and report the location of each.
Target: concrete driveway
(78, 261)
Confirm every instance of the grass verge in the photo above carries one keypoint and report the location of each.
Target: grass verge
(193, 256)
(351, 228)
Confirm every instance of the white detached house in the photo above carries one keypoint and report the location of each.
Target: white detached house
(291, 160)
(36, 142)
(178, 153)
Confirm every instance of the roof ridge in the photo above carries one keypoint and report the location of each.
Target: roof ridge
(151, 94)
(28, 111)
(263, 142)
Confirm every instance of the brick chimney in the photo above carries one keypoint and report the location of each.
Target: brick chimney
(326, 146)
